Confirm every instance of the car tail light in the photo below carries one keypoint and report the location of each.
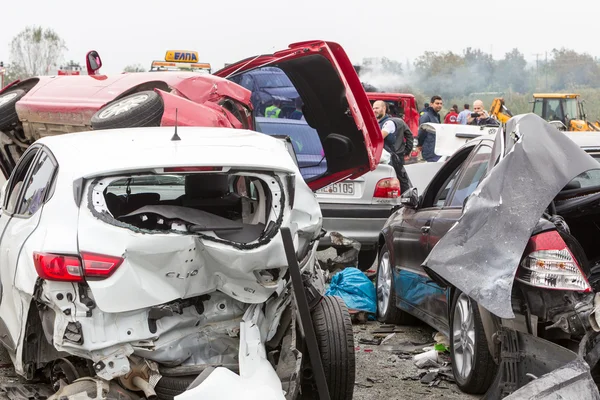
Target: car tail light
(98, 265)
(192, 169)
(56, 267)
(387, 188)
(548, 263)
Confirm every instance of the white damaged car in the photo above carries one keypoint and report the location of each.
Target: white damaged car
(135, 259)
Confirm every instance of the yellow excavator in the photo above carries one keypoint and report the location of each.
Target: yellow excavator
(565, 111)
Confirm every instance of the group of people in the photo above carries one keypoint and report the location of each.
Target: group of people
(274, 110)
(426, 142)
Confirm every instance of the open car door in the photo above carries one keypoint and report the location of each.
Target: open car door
(334, 103)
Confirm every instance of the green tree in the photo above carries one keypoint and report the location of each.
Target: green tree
(34, 51)
(512, 72)
(572, 69)
(134, 68)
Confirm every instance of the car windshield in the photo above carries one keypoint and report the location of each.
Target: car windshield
(272, 80)
(589, 178)
(571, 108)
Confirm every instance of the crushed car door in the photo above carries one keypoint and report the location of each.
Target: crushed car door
(334, 103)
(26, 192)
(468, 180)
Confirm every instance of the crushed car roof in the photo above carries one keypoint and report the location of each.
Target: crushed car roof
(97, 152)
(480, 254)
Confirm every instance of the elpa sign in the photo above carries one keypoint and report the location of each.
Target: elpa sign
(181, 56)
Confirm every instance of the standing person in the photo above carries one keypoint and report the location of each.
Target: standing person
(273, 110)
(480, 116)
(297, 113)
(452, 116)
(398, 140)
(464, 114)
(425, 107)
(427, 139)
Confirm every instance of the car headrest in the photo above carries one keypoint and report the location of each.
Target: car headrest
(206, 186)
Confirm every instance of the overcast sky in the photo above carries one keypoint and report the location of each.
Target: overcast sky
(132, 31)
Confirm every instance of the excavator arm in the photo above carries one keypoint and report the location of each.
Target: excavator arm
(499, 110)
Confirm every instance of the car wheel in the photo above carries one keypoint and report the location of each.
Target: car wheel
(170, 386)
(366, 258)
(472, 364)
(8, 111)
(387, 312)
(333, 328)
(136, 110)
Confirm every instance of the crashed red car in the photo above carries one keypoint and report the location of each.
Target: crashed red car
(335, 104)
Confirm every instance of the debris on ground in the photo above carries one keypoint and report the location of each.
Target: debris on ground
(355, 289)
(375, 342)
(388, 329)
(342, 254)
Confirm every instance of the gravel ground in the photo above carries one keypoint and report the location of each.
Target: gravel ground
(380, 372)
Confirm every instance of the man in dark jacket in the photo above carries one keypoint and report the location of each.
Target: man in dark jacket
(397, 140)
(426, 142)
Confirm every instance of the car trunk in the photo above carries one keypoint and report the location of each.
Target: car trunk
(182, 235)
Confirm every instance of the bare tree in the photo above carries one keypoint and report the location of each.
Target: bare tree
(134, 68)
(35, 50)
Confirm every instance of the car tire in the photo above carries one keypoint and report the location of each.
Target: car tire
(474, 369)
(8, 110)
(170, 386)
(366, 258)
(333, 328)
(139, 109)
(387, 312)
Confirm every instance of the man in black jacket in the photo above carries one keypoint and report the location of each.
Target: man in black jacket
(397, 140)
(427, 139)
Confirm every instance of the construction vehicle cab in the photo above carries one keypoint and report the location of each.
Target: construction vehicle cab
(565, 111)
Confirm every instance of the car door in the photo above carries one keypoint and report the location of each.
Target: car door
(460, 189)
(410, 232)
(26, 192)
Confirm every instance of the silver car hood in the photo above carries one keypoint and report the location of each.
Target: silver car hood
(480, 254)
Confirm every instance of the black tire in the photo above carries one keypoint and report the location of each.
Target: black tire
(333, 328)
(389, 314)
(146, 109)
(483, 369)
(8, 111)
(170, 386)
(366, 258)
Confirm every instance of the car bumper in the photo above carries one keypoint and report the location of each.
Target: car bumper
(361, 222)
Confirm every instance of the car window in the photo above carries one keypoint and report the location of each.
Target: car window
(38, 185)
(305, 139)
(15, 183)
(440, 199)
(474, 173)
(587, 179)
(247, 82)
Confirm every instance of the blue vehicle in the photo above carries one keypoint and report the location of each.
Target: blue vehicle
(269, 84)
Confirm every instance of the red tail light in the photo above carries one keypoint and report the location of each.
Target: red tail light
(387, 188)
(56, 267)
(192, 169)
(548, 263)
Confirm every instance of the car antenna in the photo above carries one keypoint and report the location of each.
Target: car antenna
(175, 135)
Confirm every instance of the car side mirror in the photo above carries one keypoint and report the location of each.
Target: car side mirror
(93, 62)
(410, 198)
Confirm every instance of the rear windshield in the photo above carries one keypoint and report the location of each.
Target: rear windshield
(304, 138)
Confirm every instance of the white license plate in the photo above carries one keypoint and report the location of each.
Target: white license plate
(342, 188)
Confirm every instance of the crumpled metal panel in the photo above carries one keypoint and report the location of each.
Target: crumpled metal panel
(480, 254)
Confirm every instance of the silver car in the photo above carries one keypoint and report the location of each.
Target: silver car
(356, 208)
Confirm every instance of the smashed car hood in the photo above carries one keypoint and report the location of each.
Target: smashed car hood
(480, 254)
